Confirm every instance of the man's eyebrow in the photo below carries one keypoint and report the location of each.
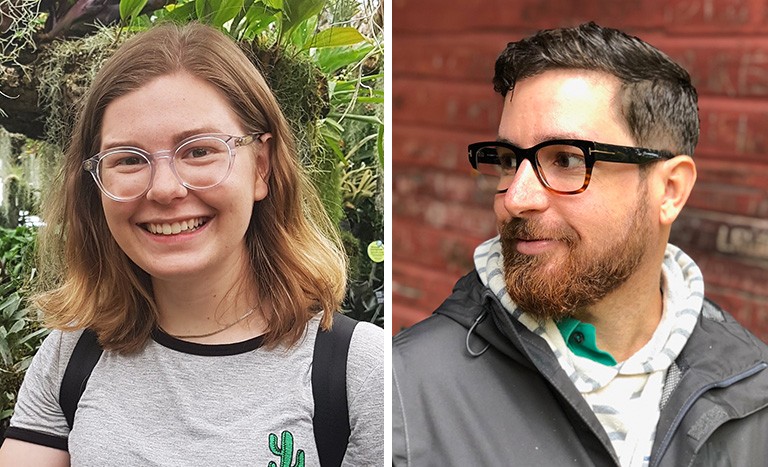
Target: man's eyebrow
(545, 137)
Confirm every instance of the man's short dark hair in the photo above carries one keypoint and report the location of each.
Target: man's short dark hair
(658, 101)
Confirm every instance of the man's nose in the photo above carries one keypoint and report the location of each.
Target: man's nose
(165, 185)
(526, 194)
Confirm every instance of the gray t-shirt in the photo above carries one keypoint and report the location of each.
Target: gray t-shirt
(177, 403)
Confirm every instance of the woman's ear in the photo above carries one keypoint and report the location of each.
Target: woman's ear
(263, 166)
(678, 176)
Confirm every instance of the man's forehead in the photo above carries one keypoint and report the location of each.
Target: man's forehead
(561, 104)
(575, 81)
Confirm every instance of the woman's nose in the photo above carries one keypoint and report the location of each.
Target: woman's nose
(165, 186)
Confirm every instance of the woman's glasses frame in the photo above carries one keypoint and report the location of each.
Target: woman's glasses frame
(91, 164)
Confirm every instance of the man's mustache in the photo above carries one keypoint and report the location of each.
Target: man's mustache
(526, 229)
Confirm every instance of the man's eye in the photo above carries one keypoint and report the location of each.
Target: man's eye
(568, 160)
(508, 163)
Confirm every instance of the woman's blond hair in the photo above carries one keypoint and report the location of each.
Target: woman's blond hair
(296, 257)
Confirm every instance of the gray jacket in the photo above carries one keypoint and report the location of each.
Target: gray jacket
(456, 403)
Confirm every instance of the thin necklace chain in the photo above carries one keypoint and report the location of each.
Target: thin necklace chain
(209, 334)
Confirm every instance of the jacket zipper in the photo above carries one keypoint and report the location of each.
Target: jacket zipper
(694, 397)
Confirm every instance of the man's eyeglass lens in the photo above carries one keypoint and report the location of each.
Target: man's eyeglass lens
(201, 163)
(562, 167)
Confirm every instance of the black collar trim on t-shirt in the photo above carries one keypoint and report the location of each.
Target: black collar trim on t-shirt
(210, 350)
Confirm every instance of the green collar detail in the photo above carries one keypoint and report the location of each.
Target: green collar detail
(580, 338)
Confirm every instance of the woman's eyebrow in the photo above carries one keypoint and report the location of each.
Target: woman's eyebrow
(177, 137)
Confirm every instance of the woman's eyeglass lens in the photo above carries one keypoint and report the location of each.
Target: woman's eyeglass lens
(199, 163)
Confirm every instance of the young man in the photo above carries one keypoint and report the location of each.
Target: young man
(582, 337)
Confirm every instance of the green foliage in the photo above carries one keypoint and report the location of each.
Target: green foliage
(20, 331)
(353, 130)
(17, 248)
(335, 37)
(332, 59)
(130, 9)
(299, 17)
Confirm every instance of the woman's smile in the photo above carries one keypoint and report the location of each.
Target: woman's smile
(176, 227)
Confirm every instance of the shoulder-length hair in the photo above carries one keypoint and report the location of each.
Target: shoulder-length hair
(296, 257)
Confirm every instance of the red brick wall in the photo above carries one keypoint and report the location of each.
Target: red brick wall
(442, 99)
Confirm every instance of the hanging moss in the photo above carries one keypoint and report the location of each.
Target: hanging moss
(65, 76)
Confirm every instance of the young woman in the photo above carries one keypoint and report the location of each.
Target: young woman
(200, 256)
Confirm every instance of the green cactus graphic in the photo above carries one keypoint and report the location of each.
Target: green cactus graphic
(285, 450)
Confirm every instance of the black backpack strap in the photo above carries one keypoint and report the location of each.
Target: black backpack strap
(329, 390)
(84, 357)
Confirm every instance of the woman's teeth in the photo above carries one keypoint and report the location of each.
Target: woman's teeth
(176, 227)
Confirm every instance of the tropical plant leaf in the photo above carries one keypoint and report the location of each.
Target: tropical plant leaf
(299, 11)
(5, 351)
(24, 363)
(331, 132)
(359, 118)
(225, 10)
(300, 35)
(370, 100)
(353, 150)
(201, 9)
(380, 146)
(335, 37)
(42, 332)
(17, 326)
(332, 59)
(181, 13)
(10, 305)
(130, 9)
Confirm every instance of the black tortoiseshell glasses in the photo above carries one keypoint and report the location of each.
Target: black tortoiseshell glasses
(563, 166)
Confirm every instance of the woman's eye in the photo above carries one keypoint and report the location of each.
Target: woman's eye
(123, 160)
(131, 160)
(198, 152)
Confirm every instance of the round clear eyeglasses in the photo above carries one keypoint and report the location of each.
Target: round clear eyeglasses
(200, 162)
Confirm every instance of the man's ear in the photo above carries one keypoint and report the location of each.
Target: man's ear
(263, 166)
(677, 176)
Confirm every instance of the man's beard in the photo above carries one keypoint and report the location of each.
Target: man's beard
(545, 287)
